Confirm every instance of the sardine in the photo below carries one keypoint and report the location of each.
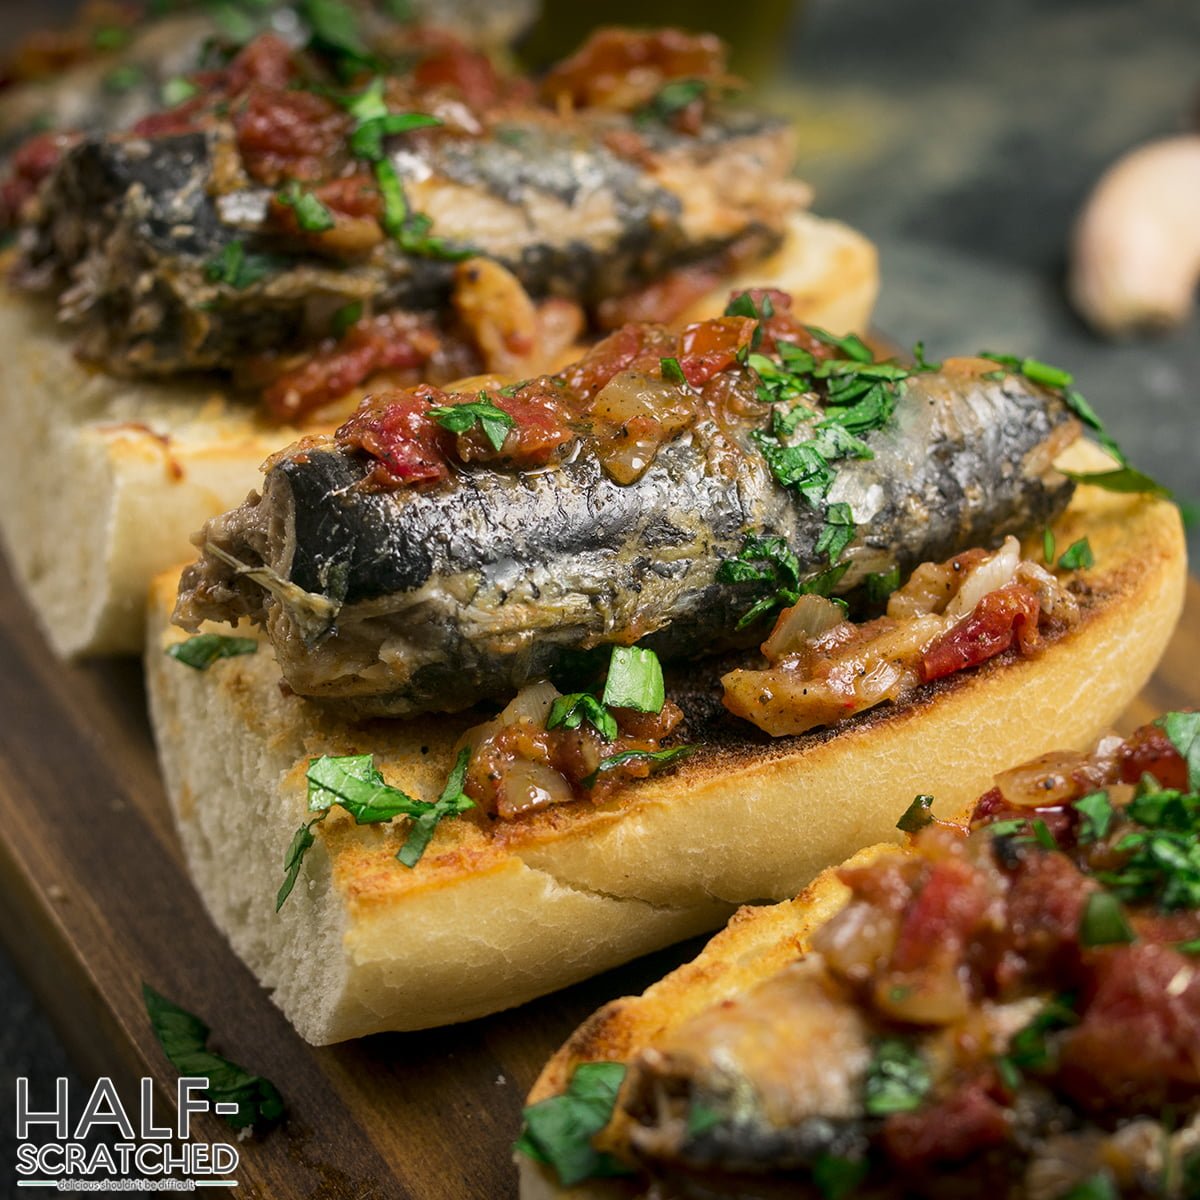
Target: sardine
(466, 589)
(136, 224)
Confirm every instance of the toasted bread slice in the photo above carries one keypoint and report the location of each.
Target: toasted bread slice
(493, 916)
(109, 478)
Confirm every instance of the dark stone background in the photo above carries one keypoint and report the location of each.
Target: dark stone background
(962, 137)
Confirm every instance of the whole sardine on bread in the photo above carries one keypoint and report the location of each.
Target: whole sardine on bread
(498, 911)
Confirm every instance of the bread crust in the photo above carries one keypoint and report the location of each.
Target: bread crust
(110, 477)
(494, 917)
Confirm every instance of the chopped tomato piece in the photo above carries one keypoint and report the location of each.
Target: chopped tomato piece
(1007, 615)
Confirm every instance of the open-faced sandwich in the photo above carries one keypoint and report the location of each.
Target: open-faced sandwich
(233, 226)
(1007, 1007)
(494, 718)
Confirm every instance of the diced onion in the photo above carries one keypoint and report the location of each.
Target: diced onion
(531, 785)
(992, 573)
(808, 618)
(1045, 782)
(532, 703)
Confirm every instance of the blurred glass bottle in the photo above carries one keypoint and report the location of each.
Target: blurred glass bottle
(756, 32)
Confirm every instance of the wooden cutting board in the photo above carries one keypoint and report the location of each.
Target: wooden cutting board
(95, 900)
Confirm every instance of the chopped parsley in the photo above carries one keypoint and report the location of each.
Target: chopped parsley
(1183, 732)
(1126, 480)
(558, 1131)
(1049, 545)
(1096, 814)
(672, 372)
(837, 532)
(201, 651)
(1077, 556)
(1104, 922)
(770, 562)
(367, 139)
(701, 1118)
(858, 396)
(898, 1078)
(311, 215)
(635, 680)
(571, 710)
(459, 418)
(184, 1040)
(238, 268)
(658, 759)
(124, 78)
(374, 122)
(451, 803)
(670, 99)
(917, 815)
(334, 32)
(881, 584)
(1030, 1050)
(838, 1178)
(111, 37)
(1096, 1187)
(346, 316)
(354, 783)
(178, 89)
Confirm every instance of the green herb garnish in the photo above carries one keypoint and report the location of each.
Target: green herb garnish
(124, 79)
(701, 1119)
(1183, 732)
(558, 1131)
(451, 803)
(346, 316)
(770, 562)
(459, 418)
(838, 1178)
(898, 1078)
(1078, 556)
(571, 710)
(111, 37)
(354, 783)
(881, 584)
(1097, 814)
(239, 268)
(920, 362)
(671, 99)
(184, 1040)
(1048, 545)
(917, 815)
(334, 32)
(367, 139)
(1030, 1050)
(672, 372)
(1103, 922)
(204, 649)
(837, 532)
(177, 90)
(1096, 1187)
(635, 680)
(656, 758)
(311, 215)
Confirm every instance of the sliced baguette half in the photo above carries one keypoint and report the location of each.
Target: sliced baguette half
(495, 915)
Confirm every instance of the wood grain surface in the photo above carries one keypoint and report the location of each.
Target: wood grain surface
(96, 900)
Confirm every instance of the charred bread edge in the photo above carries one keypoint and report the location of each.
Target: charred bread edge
(108, 478)
(490, 920)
